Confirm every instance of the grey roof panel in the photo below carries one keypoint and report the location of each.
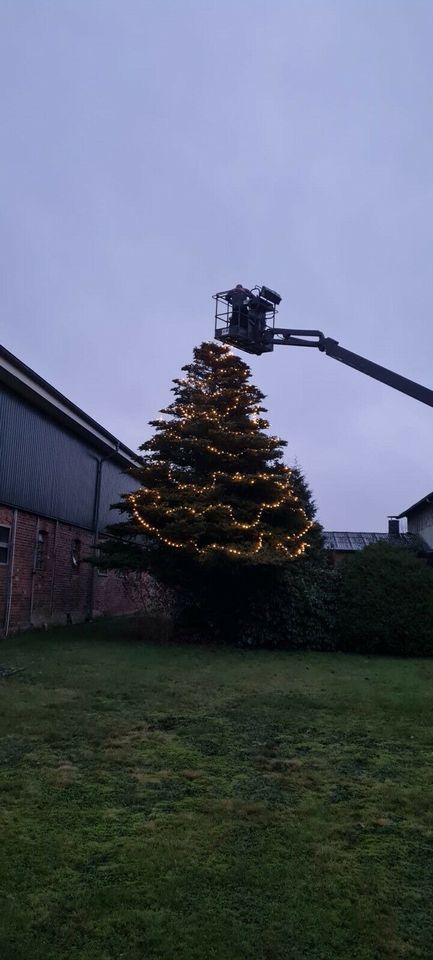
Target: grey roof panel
(345, 541)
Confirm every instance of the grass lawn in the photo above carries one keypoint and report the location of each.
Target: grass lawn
(174, 803)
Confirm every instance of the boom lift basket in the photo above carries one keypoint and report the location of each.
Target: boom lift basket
(246, 318)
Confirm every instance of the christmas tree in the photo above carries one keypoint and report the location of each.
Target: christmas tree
(215, 499)
(212, 481)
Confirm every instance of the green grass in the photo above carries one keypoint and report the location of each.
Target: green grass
(174, 803)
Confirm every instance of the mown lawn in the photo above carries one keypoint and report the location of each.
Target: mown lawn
(174, 803)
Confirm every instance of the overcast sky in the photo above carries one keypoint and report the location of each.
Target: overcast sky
(153, 153)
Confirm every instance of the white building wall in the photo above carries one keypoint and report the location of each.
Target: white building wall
(421, 521)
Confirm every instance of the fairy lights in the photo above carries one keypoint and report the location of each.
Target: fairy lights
(266, 538)
(190, 545)
(245, 508)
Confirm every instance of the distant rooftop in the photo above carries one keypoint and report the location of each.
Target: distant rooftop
(345, 541)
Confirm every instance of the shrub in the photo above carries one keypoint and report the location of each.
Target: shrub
(290, 607)
(310, 609)
(385, 602)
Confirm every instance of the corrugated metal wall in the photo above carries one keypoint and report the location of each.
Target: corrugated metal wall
(46, 469)
(113, 484)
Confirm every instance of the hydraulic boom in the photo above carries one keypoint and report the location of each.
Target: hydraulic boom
(315, 338)
(246, 320)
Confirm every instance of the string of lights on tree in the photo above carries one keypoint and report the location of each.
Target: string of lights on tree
(211, 480)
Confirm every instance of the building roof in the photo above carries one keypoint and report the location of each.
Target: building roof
(345, 541)
(20, 378)
(419, 503)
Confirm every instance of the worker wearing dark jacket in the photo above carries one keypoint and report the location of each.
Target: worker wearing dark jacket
(238, 298)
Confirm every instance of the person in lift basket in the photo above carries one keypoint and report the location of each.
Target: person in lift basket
(238, 297)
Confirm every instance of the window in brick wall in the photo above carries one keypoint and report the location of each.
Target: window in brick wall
(41, 551)
(76, 554)
(5, 533)
(102, 572)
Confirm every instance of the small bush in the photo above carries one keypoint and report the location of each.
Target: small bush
(291, 607)
(297, 614)
(385, 602)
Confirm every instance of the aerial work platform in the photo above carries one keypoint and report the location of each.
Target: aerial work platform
(246, 318)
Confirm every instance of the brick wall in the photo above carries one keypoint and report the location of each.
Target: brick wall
(51, 582)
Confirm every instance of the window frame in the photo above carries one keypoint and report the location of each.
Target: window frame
(5, 545)
(76, 554)
(41, 551)
(101, 571)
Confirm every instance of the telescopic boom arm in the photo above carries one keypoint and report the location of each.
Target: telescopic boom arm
(246, 320)
(315, 338)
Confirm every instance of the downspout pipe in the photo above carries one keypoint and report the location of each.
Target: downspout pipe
(96, 519)
(10, 585)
